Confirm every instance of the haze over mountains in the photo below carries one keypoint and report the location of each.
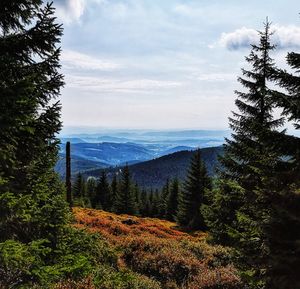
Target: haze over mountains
(153, 156)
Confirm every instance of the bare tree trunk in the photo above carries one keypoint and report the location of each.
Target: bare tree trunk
(68, 174)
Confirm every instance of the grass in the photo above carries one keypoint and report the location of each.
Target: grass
(158, 251)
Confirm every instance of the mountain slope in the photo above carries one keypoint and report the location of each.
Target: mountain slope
(154, 173)
(78, 164)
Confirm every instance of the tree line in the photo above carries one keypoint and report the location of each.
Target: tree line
(174, 202)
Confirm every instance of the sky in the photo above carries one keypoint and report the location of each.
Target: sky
(163, 64)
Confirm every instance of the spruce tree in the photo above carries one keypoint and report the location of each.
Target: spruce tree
(103, 193)
(34, 214)
(253, 160)
(32, 199)
(125, 199)
(79, 191)
(192, 196)
(114, 187)
(284, 228)
(91, 191)
(172, 200)
(163, 200)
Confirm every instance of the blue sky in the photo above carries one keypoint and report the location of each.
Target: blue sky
(162, 64)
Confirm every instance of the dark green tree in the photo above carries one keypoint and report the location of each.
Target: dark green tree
(114, 187)
(220, 210)
(79, 190)
(103, 193)
(284, 228)
(163, 199)
(192, 196)
(125, 199)
(91, 191)
(172, 200)
(34, 215)
(138, 198)
(79, 187)
(145, 210)
(254, 161)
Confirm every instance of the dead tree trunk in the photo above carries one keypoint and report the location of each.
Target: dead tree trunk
(68, 174)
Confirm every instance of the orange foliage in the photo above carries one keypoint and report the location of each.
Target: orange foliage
(157, 249)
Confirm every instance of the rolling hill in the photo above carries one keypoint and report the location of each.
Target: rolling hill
(154, 173)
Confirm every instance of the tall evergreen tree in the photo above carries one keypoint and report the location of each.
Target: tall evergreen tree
(29, 120)
(253, 160)
(284, 228)
(192, 196)
(163, 200)
(138, 198)
(91, 191)
(172, 200)
(79, 187)
(114, 187)
(33, 211)
(125, 199)
(103, 193)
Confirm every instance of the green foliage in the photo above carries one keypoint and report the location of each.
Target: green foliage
(125, 202)
(172, 200)
(192, 196)
(220, 211)
(253, 169)
(103, 193)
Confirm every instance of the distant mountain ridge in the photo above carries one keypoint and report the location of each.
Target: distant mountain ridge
(154, 173)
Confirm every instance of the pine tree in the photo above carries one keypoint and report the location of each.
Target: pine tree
(284, 228)
(253, 160)
(172, 201)
(163, 200)
(79, 189)
(29, 118)
(103, 194)
(192, 196)
(125, 199)
(33, 210)
(146, 206)
(91, 191)
(138, 199)
(114, 187)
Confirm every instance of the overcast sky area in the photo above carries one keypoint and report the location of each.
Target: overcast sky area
(170, 64)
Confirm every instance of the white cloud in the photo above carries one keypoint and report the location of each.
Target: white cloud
(71, 10)
(73, 59)
(110, 85)
(217, 77)
(284, 37)
(240, 38)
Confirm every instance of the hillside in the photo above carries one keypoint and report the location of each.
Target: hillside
(78, 164)
(154, 173)
(160, 253)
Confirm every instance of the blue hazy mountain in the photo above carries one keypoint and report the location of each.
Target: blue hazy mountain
(110, 153)
(78, 164)
(117, 148)
(154, 173)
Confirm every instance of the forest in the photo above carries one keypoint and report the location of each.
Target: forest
(239, 229)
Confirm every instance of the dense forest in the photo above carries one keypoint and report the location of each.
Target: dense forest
(238, 230)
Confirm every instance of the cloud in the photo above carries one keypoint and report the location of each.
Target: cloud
(284, 37)
(76, 60)
(109, 85)
(217, 77)
(72, 10)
